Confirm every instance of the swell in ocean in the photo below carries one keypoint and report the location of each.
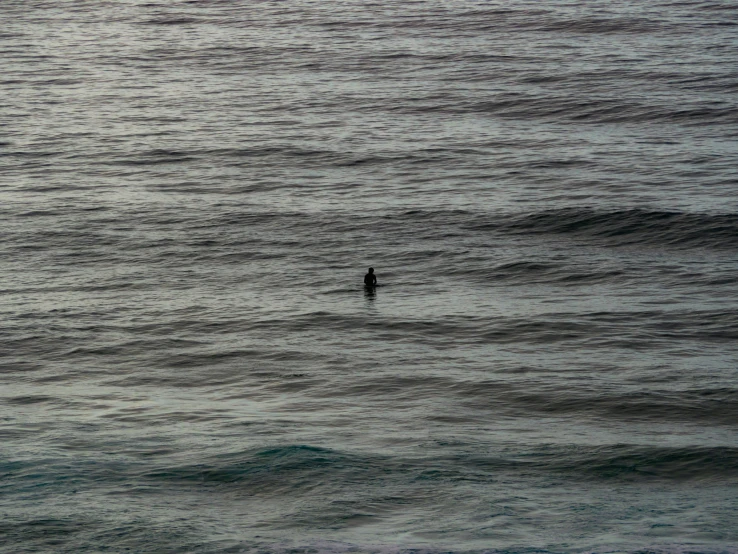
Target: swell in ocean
(192, 193)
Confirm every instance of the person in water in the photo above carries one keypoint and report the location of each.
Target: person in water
(370, 280)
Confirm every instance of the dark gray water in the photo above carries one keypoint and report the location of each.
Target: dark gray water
(191, 193)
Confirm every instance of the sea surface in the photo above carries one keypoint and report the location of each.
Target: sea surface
(192, 191)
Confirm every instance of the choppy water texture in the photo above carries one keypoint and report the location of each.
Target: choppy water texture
(192, 192)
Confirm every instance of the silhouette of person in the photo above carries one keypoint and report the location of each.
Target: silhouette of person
(370, 280)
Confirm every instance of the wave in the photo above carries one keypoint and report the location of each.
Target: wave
(153, 342)
(590, 109)
(293, 469)
(641, 329)
(310, 470)
(497, 19)
(617, 227)
(627, 226)
(527, 272)
(717, 406)
(339, 547)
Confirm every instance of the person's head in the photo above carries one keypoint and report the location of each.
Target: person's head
(371, 270)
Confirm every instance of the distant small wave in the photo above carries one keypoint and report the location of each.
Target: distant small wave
(629, 226)
(305, 469)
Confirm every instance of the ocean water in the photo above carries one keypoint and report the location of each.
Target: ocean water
(191, 193)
